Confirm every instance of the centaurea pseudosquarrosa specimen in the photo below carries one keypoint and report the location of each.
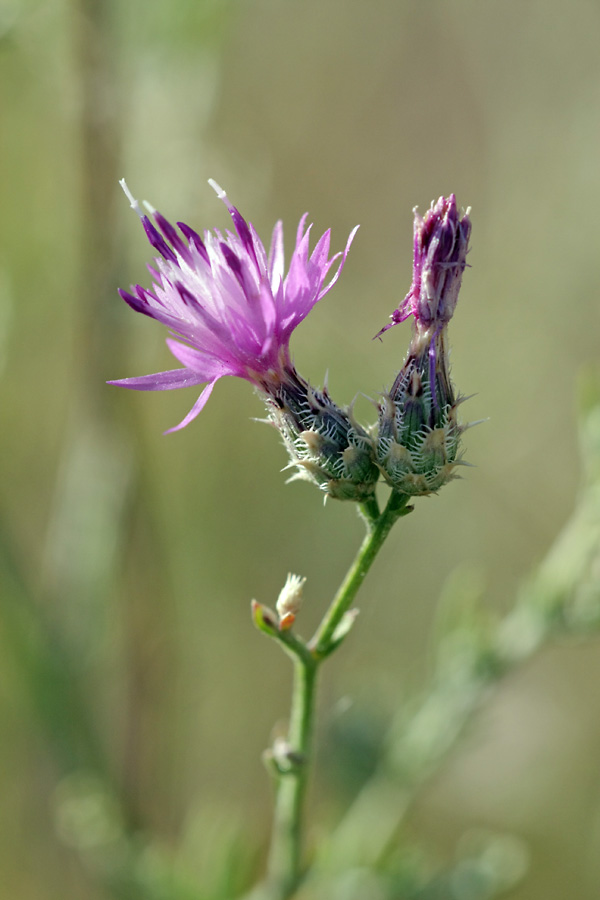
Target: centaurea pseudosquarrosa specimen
(234, 308)
(419, 434)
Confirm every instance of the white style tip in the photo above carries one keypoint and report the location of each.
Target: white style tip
(217, 189)
(132, 201)
(220, 193)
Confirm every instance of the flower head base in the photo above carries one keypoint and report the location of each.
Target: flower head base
(324, 443)
(228, 300)
(418, 445)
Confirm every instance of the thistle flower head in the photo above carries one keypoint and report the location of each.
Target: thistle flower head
(229, 302)
(234, 308)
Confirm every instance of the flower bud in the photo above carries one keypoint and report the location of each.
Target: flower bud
(324, 443)
(418, 445)
(441, 243)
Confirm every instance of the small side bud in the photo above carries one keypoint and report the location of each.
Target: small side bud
(290, 600)
(345, 626)
(282, 759)
(264, 619)
(341, 633)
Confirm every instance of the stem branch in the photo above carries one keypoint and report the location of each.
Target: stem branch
(378, 529)
(292, 764)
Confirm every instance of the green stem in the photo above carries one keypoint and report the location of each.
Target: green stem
(378, 529)
(285, 858)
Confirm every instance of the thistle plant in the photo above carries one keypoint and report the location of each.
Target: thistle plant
(232, 309)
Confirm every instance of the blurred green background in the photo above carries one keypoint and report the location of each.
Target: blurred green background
(129, 558)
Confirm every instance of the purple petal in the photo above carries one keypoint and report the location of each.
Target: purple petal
(194, 239)
(276, 263)
(300, 230)
(186, 295)
(147, 297)
(296, 280)
(241, 226)
(259, 249)
(205, 367)
(162, 381)
(138, 304)
(157, 240)
(328, 287)
(319, 255)
(171, 235)
(302, 245)
(268, 309)
(144, 305)
(196, 408)
(233, 262)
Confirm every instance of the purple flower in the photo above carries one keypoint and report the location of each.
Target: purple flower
(441, 242)
(229, 301)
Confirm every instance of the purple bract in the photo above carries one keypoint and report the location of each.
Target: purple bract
(441, 242)
(230, 301)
